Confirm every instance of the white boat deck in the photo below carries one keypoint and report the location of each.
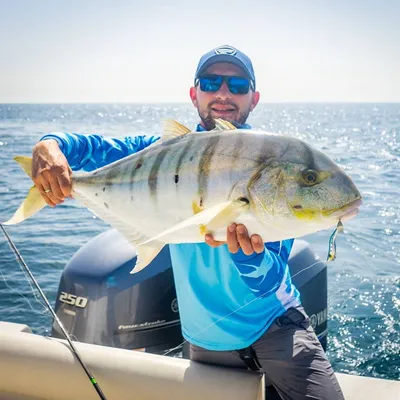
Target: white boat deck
(358, 387)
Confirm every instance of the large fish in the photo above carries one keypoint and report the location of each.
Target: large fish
(190, 183)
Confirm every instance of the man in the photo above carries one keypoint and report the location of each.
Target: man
(237, 303)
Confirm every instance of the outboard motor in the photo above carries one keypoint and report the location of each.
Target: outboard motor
(100, 302)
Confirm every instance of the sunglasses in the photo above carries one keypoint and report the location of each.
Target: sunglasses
(236, 84)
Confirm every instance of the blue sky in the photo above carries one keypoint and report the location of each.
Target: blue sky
(147, 51)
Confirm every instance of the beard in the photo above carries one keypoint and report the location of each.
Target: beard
(209, 122)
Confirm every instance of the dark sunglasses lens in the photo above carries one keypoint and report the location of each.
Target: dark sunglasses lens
(210, 83)
(238, 85)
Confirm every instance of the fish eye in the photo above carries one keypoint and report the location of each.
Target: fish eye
(310, 176)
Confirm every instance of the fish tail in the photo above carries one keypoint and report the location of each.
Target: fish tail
(25, 163)
(34, 202)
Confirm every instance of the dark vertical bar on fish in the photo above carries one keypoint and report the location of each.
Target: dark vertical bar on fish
(153, 174)
(204, 166)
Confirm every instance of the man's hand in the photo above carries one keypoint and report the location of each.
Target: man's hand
(237, 237)
(51, 172)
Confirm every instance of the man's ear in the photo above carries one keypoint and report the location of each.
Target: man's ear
(254, 101)
(193, 96)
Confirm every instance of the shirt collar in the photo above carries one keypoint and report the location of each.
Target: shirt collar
(200, 128)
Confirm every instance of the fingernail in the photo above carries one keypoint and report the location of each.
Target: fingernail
(232, 228)
(255, 239)
(241, 229)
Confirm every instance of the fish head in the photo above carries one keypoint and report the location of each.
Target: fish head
(303, 192)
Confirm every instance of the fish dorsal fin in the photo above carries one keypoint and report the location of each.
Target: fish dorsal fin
(222, 125)
(173, 129)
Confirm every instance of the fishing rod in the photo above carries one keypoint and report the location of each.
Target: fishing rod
(74, 350)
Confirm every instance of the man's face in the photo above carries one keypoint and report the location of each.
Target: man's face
(222, 103)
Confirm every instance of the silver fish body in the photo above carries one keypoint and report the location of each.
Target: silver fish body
(162, 185)
(191, 183)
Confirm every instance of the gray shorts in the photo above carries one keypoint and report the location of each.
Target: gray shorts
(290, 355)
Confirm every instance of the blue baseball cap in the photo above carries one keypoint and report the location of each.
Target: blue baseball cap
(228, 54)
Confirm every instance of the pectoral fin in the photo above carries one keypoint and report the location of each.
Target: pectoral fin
(219, 216)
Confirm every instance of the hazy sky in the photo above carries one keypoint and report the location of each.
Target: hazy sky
(147, 51)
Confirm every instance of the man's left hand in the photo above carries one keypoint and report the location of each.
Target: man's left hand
(237, 237)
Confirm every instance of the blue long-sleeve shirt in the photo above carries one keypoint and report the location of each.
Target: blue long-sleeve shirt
(226, 301)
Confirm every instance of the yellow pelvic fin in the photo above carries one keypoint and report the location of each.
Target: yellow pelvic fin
(173, 129)
(222, 125)
(202, 229)
(196, 208)
(33, 203)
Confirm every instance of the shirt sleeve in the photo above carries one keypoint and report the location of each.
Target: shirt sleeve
(256, 270)
(89, 152)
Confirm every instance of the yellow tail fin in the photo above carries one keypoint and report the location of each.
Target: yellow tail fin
(34, 202)
(25, 163)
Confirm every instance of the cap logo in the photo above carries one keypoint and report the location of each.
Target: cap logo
(225, 50)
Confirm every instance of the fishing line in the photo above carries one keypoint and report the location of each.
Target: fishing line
(45, 310)
(280, 248)
(74, 350)
(34, 294)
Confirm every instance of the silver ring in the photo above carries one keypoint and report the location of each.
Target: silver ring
(47, 191)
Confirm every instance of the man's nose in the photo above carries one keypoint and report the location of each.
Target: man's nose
(223, 92)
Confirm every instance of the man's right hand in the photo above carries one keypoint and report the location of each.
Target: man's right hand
(51, 172)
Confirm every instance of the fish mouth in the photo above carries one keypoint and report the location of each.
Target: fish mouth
(348, 211)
